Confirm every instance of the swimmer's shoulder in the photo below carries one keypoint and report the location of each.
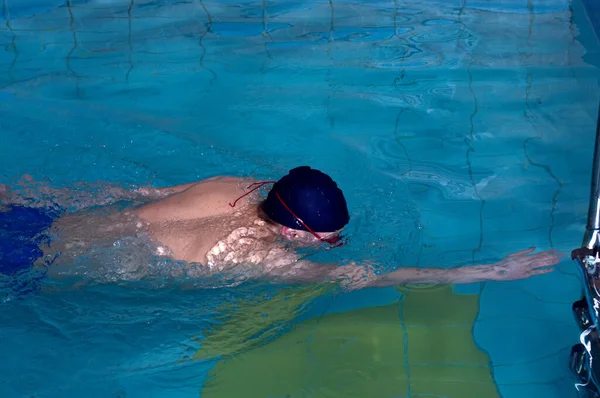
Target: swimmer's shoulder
(215, 192)
(206, 198)
(222, 182)
(214, 186)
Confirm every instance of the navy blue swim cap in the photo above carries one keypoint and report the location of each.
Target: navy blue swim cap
(312, 196)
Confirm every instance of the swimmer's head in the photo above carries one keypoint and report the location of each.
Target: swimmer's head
(309, 205)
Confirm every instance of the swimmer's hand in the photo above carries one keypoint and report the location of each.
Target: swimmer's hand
(520, 265)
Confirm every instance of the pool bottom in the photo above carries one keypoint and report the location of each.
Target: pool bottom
(421, 345)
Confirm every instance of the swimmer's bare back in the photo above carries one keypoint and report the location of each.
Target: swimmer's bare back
(194, 223)
(194, 217)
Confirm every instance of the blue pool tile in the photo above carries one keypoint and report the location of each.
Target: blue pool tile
(467, 289)
(556, 389)
(506, 338)
(527, 328)
(537, 371)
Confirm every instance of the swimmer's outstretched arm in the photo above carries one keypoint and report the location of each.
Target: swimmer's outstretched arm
(82, 193)
(43, 187)
(519, 265)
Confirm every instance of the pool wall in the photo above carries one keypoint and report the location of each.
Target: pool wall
(593, 10)
(586, 23)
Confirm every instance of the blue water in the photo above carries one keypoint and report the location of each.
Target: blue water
(460, 132)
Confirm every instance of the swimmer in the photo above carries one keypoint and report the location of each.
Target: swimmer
(224, 223)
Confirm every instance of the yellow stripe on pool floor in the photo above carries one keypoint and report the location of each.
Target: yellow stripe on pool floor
(367, 353)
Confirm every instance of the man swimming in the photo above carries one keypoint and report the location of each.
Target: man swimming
(224, 223)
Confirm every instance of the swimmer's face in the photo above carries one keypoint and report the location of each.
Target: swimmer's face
(305, 238)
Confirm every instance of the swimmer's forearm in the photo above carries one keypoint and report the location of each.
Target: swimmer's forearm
(468, 274)
(519, 265)
(83, 193)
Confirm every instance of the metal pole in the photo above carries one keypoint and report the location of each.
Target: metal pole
(586, 354)
(591, 238)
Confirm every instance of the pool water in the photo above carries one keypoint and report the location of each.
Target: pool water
(459, 131)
